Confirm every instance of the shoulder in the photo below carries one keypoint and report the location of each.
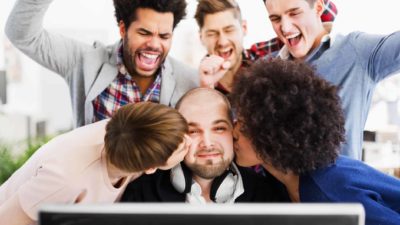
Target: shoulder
(101, 53)
(179, 68)
(185, 76)
(82, 137)
(344, 180)
(344, 170)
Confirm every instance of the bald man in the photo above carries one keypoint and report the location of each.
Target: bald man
(207, 173)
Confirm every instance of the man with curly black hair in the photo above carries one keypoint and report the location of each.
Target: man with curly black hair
(102, 78)
(290, 121)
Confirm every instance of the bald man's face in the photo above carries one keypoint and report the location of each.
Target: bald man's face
(210, 128)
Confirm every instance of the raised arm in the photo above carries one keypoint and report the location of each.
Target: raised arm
(25, 30)
(380, 54)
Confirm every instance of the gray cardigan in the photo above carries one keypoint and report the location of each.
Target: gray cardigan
(87, 69)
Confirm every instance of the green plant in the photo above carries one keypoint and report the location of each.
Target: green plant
(9, 163)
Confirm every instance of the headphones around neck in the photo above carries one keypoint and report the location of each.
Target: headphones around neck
(222, 187)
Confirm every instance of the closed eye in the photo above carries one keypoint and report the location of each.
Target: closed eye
(211, 34)
(274, 19)
(296, 13)
(220, 129)
(194, 131)
(165, 36)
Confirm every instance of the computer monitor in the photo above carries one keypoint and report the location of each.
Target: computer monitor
(210, 214)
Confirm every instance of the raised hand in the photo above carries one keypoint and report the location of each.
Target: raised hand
(212, 69)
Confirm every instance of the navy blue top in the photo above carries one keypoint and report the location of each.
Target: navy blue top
(352, 181)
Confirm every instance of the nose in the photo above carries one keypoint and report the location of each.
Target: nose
(154, 43)
(222, 40)
(206, 141)
(286, 25)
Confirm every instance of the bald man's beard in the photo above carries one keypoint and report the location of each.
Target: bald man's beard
(209, 169)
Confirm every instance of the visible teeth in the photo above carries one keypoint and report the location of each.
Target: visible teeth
(226, 51)
(292, 36)
(150, 56)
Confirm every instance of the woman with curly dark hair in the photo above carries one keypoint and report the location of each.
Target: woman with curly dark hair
(290, 121)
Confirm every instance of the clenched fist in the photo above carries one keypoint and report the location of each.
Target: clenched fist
(212, 69)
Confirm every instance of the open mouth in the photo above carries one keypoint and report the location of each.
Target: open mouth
(147, 61)
(226, 53)
(294, 39)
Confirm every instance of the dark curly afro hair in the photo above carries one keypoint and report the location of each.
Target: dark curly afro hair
(292, 117)
(125, 10)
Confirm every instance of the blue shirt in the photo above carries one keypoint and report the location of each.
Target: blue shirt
(355, 63)
(352, 181)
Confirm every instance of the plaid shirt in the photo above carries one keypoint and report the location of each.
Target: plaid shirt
(123, 90)
(264, 48)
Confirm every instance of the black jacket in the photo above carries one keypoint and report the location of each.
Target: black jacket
(157, 187)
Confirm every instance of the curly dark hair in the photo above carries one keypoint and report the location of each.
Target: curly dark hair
(125, 10)
(292, 117)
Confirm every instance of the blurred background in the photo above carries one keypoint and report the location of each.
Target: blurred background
(35, 104)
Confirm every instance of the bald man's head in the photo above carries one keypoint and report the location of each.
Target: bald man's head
(205, 97)
(208, 114)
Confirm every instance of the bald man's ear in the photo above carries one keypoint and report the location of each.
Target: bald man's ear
(122, 29)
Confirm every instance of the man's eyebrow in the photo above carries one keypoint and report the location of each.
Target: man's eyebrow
(229, 27)
(211, 31)
(287, 11)
(143, 30)
(292, 9)
(193, 124)
(222, 121)
(224, 28)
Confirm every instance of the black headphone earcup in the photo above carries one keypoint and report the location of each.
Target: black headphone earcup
(187, 174)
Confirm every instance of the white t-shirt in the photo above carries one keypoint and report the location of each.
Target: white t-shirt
(71, 168)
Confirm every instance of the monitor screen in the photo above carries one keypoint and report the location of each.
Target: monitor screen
(218, 214)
